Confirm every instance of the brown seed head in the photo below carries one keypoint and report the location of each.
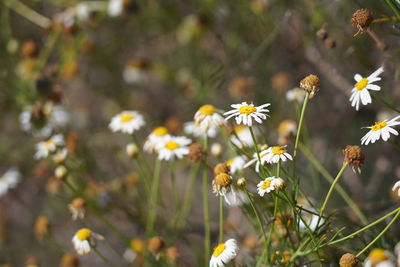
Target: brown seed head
(196, 152)
(354, 156)
(42, 228)
(172, 254)
(362, 18)
(69, 260)
(322, 33)
(348, 260)
(221, 182)
(330, 43)
(156, 244)
(29, 49)
(221, 168)
(310, 84)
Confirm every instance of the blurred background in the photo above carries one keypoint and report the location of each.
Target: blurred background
(165, 59)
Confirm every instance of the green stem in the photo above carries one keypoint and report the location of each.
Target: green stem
(153, 198)
(318, 166)
(221, 219)
(206, 214)
(257, 151)
(28, 13)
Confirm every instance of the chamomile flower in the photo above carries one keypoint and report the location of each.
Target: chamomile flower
(381, 129)
(380, 258)
(156, 137)
(9, 180)
(275, 154)
(295, 94)
(191, 128)
(115, 8)
(236, 164)
(127, 122)
(360, 91)
(267, 185)
(44, 148)
(257, 161)
(224, 253)
(242, 136)
(136, 247)
(396, 187)
(173, 147)
(84, 240)
(222, 184)
(208, 117)
(245, 113)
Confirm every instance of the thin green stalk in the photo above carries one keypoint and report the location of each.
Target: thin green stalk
(28, 13)
(257, 151)
(318, 166)
(272, 227)
(396, 146)
(174, 186)
(106, 260)
(395, 10)
(328, 195)
(153, 198)
(296, 144)
(206, 214)
(221, 219)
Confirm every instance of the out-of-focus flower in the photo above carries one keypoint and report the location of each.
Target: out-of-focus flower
(192, 129)
(172, 254)
(115, 8)
(44, 148)
(295, 94)
(77, 208)
(207, 117)
(137, 71)
(381, 129)
(196, 152)
(29, 49)
(155, 245)
(281, 81)
(242, 136)
(258, 6)
(9, 180)
(236, 198)
(136, 247)
(154, 140)
(69, 260)
(42, 228)
(360, 91)
(245, 113)
(380, 258)
(286, 130)
(173, 147)
(236, 164)
(60, 172)
(239, 88)
(267, 185)
(60, 156)
(127, 122)
(84, 239)
(224, 253)
(310, 84)
(216, 149)
(174, 124)
(396, 187)
(190, 28)
(25, 69)
(131, 150)
(222, 184)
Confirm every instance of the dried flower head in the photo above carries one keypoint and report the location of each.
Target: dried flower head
(77, 208)
(172, 254)
(155, 245)
(196, 152)
(42, 228)
(222, 184)
(354, 156)
(69, 260)
(348, 260)
(361, 19)
(310, 84)
(221, 168)
(280, 184)
(241, 182)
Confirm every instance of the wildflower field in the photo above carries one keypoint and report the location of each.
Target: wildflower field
(199, 133)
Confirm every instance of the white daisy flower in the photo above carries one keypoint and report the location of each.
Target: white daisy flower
(256, 161)
(242, 136)
(236, 164)
(245, 113)
(115, 8)
(154, 140)
(208, 117)
(267, 185)
(44, 148)
(296, 94)
(127, 122)
(224, 253)
(59, 117)
(191, 128)
(396, 187)
(380, 129)
(136, 71)
(173, 147)
(84, 240)
(275, 154)
(236, 198)
(380, 258)
(26, 124)
(360, 91)
(9, 180)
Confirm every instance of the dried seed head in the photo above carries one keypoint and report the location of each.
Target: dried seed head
(69, 260)
(155, 245)
(172, 254)
(196, 152)
(29, 49)
(77, 208)
(348, 260)
(132, 150)
(330, 43)
(280, 184)
(361, 19)
(354, 156)
(322, 34)
(310, 84)
(42, 228)
(241, 182)
(222, 168)
(60, 172)
(221, 183)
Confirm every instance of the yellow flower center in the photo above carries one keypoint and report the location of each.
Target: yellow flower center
(160, 131)
(266, 184)
(219, 249)
(247, 110)
(239, 128)
(48, 143)
(378, 125)
(171, 145)
(377, 255)
(278, 150)
(207, 110)
(229, 162)
(361, 84)
(126, 117)
(137, 245)
(83, 234)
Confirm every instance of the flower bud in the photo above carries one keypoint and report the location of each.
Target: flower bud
(216, 150)
(132, 150)
(60, 172)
